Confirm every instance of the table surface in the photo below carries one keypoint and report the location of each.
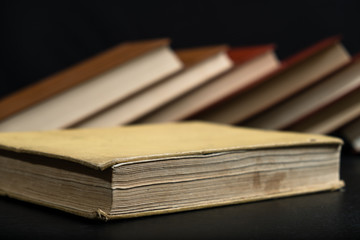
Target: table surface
(330, 215)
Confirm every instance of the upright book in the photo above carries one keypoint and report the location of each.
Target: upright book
(71, 95)
(297, 73)
(201, 64)
(251, 64)
(311, 99)
(152, 169)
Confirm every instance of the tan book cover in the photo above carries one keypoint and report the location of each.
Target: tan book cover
(142, 170)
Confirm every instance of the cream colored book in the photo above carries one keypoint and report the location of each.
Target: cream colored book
(297, 73)
(201, 65)
(142, 170)
(332, 116)
(79, 91)
(310, 100)
(251, 65)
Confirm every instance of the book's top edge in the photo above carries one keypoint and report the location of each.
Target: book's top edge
(101, 148)
(76, 74)
(193, 56)
(302, 56)
(311, 51)
(240, 55)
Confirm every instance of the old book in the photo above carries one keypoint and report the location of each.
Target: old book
(310, 100)
(351, 132)
(297, 73)
(331, 117)
(141, 170)
(201, 64)
(251, 64)
(71, 95)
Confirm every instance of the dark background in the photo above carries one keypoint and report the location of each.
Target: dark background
(38, 40)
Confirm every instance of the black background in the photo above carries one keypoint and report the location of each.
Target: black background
(39, 39)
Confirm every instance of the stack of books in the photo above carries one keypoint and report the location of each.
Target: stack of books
(315, 90)
(61, 144)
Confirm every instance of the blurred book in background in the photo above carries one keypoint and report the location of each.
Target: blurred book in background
(71, 95)
(331, 117)
(251, 64)
(300, 71)
(201, 65)
(311, 99)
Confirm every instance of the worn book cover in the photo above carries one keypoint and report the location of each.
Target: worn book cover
(161, 168)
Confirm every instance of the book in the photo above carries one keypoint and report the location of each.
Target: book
(311, 99)
(351, 132)
(251, 64)
(141, 170)
(298, 72)
(201, 64)
(331, 117)
(76, 92)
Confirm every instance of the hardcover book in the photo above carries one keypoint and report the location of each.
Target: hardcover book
(79, 91)
(311, 99)
(331, 117)
(251, 64)
(142, 170)
(201, 64)
(297, 73)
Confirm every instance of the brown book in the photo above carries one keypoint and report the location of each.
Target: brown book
(201, 65)
(141, 170)
(297, 73)
(311, 99)
(251, 64)
(73, 94)
(332, 116)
